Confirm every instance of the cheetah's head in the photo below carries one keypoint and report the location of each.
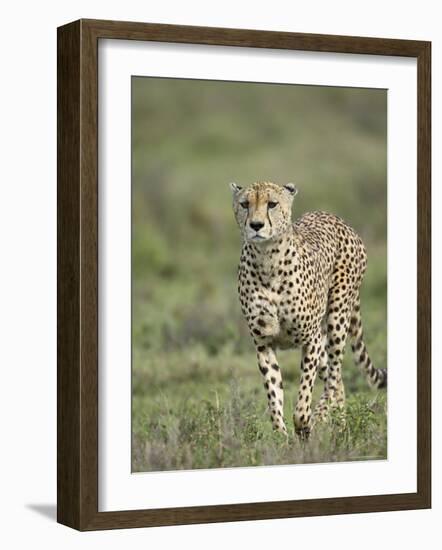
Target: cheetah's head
(263, 210)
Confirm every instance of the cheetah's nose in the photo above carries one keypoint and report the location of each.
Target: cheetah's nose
(256, 225)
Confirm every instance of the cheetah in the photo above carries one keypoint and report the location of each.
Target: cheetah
(298, 286)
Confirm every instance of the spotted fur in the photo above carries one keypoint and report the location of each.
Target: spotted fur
(298, 286)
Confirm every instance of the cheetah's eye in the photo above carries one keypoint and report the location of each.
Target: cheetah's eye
(244, 204)
(271, 204)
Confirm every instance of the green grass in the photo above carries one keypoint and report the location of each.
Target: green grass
(198, 400)
(196, 409)
(185, 418)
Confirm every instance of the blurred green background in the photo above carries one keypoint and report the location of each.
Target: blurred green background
(198, 400)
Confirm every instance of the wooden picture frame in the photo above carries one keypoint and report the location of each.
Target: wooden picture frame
(77, 461)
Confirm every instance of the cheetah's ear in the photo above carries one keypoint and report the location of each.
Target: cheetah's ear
(235, 188)
(292, 189)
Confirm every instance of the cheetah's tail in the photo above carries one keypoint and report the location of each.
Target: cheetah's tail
(377, 378)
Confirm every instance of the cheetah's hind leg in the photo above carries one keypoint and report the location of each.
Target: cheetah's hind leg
(302, 417)
(321, 410)
(333, 396)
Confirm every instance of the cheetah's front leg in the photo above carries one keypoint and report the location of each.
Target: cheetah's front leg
(309, 367)
(268, 365)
